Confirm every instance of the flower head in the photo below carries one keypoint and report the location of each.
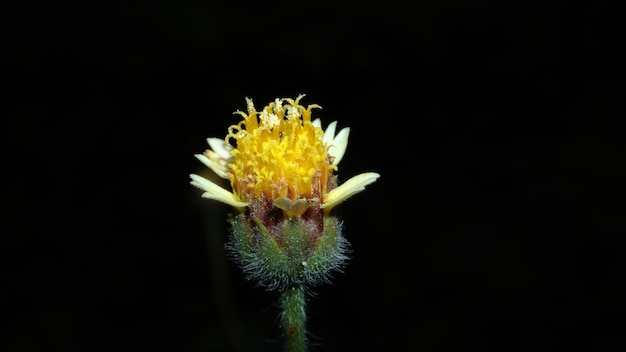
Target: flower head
(282, 171)
(279, 158)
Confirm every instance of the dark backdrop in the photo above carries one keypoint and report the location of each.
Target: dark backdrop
(497, 224)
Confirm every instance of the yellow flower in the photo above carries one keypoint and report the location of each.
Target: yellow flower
(281, 157)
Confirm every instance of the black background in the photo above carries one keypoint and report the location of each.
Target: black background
(497, 128)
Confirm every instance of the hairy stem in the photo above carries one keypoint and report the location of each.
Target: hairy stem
(293, 318)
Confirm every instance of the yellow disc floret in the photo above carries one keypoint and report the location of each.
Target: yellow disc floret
(279, 153)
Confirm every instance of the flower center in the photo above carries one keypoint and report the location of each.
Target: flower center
(279, 153)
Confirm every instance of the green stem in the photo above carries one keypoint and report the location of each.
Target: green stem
(293, 318)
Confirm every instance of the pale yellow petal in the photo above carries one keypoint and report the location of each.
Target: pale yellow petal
(339, 145)
(213, 191)
(329, 133)
(220, 170)
(292, 208)
(349, 188)
(220, 147)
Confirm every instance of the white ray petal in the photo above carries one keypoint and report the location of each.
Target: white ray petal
(317, 123)
(349, 188)
(339, 145)
(213, 191)
(220, 147)
(329, 133)
(220, 170)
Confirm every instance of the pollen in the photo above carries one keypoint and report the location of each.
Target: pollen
(279, 153)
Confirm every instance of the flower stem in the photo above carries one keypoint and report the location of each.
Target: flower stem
(293, 318)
